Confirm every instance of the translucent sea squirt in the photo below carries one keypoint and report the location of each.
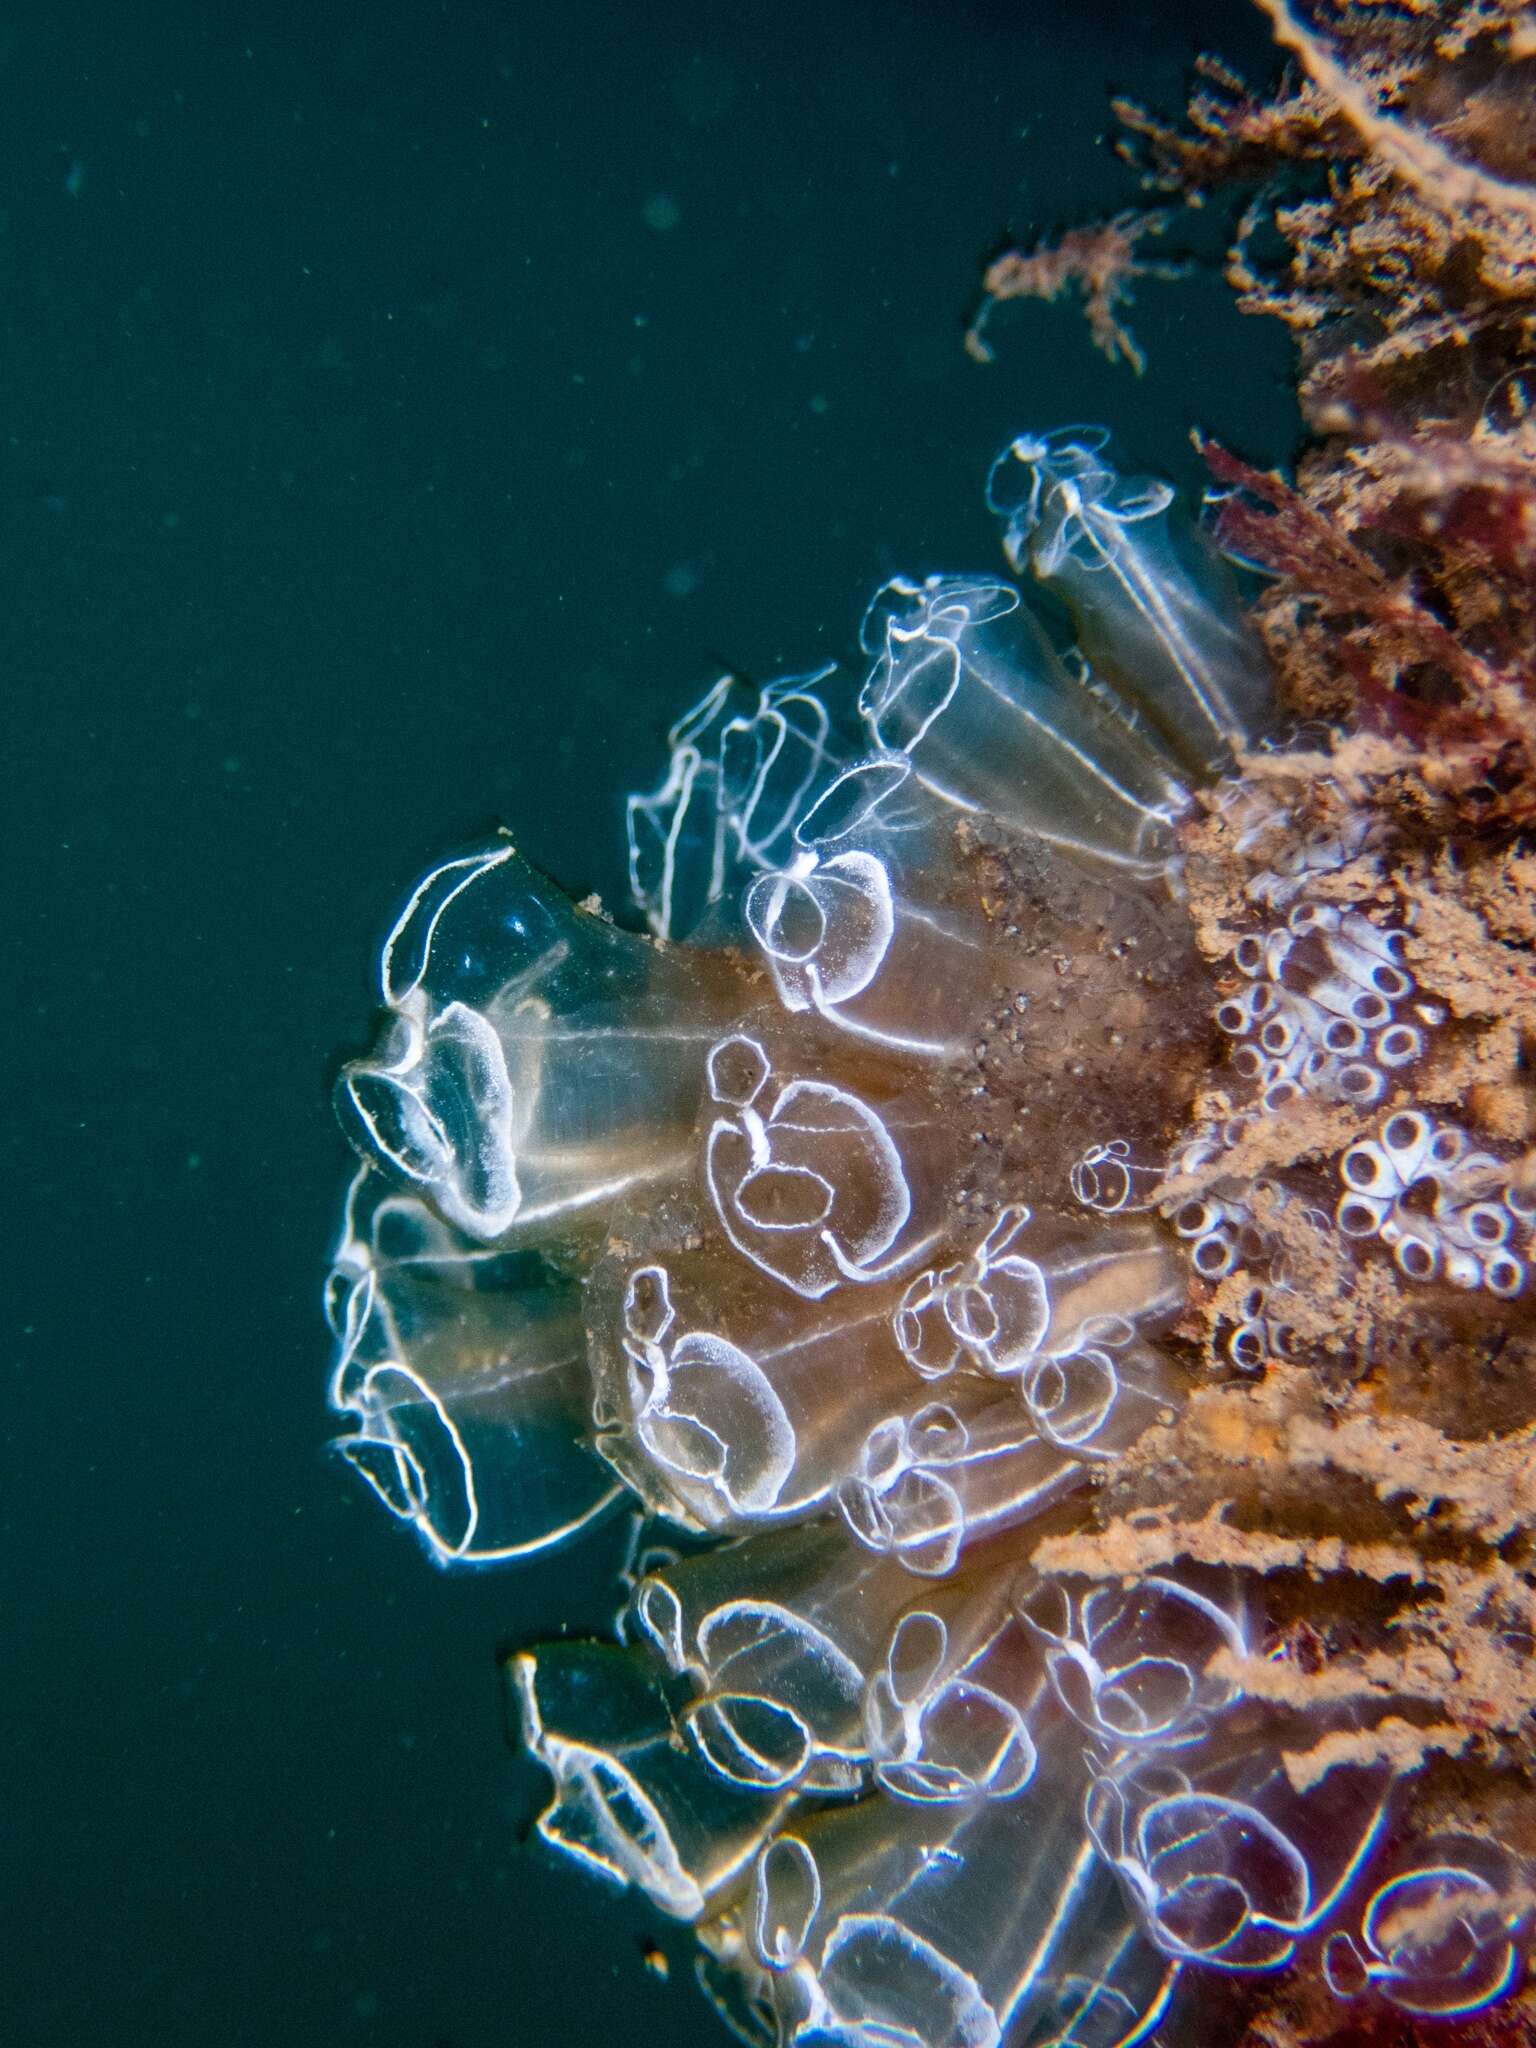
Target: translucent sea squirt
(852, 1222)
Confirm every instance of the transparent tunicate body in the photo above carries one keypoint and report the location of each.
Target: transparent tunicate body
(758, 1219)
(968, 689)
(1153, 607)
(537, 1062)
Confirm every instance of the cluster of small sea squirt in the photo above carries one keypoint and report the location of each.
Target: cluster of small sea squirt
(696, 1219)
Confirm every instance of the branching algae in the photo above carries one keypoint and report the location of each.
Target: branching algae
(1040, 1227)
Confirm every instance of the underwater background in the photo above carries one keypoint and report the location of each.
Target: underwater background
(404, 410)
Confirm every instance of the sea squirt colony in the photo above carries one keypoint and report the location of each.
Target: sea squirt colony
(845, 1222)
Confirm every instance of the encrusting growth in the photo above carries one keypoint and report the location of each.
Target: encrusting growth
(1387, 1425)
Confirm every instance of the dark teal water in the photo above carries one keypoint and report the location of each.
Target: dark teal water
(404, 409)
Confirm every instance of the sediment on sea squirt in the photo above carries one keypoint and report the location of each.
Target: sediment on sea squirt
(799, 1223)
